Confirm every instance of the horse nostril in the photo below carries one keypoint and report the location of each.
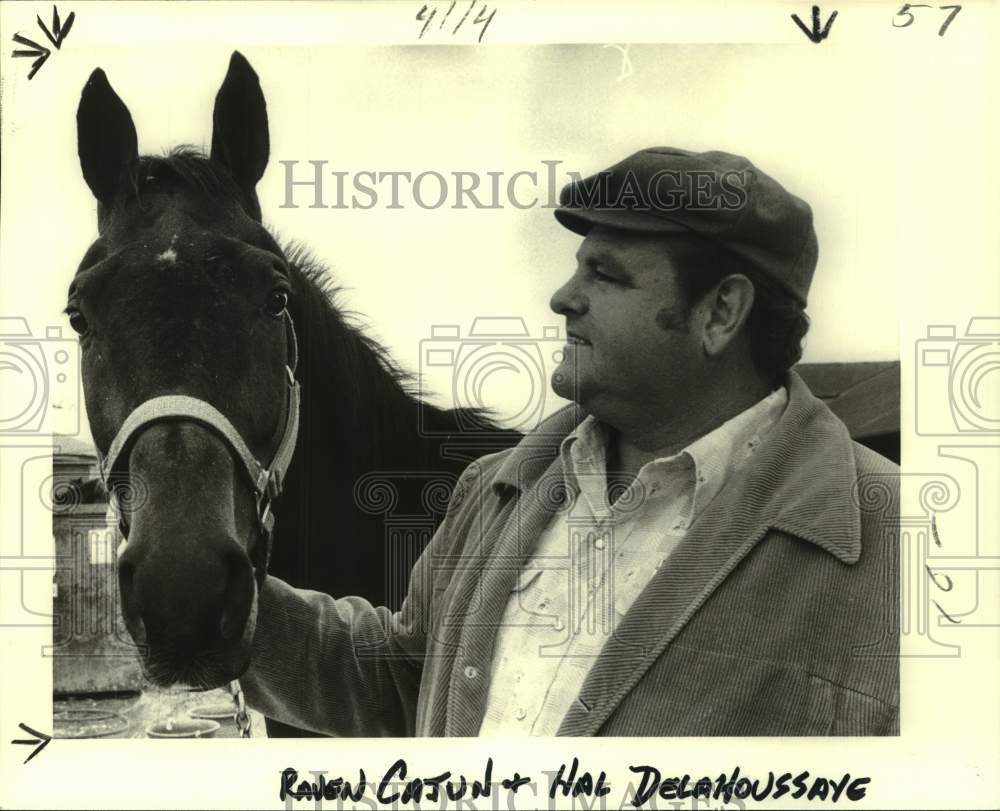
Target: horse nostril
(238, 595)
(130, 611)
(136, 628)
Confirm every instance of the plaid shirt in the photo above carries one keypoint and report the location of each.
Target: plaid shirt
(595, 558)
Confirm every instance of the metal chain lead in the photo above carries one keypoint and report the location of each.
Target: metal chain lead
(241, 716)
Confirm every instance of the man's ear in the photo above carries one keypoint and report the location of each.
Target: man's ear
(239, 128)
(106, 137)
(727, 308)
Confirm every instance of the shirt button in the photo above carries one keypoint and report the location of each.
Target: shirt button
(521, 713)
(471, 672)
(599, 543)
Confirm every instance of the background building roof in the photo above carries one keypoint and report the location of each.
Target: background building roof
(864, 395)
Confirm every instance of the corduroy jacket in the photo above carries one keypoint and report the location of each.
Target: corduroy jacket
(775, 615)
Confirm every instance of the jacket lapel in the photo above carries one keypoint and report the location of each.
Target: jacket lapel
(801, 482)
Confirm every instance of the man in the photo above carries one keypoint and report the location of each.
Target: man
(698, 549)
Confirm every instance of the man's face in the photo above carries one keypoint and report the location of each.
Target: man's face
(631, 353)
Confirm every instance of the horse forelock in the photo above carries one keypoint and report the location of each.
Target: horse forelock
(189, 166)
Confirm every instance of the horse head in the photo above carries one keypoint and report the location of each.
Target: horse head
(188, 351)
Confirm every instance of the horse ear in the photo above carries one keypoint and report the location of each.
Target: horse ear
(106, 138)
(239, 125)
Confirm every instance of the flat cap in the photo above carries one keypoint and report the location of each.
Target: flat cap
(717, 195)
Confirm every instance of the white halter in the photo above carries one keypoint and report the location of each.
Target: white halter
(266, 480)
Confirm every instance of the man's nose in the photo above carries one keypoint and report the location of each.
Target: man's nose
(569, 299)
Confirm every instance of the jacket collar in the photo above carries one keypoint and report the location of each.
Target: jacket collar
(801, 481)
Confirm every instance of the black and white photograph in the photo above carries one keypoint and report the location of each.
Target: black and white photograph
(510, 373)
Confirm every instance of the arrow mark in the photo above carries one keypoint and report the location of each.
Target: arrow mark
(56, 36)
(59, 30)
(817, 34)
(40, 51)
(40, 741)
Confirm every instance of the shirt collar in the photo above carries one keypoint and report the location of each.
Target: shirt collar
(727, 448)
(702, 465)
(804, 480)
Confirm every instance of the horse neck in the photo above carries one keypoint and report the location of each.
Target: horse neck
(358, 417)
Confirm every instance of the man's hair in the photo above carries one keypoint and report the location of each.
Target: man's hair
(777, 322)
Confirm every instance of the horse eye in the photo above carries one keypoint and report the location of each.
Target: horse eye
(77, 322)
(277, 301)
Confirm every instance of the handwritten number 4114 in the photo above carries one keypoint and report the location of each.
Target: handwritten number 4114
(905, 13)
(483, 16)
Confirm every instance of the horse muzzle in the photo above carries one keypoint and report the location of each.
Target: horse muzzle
(194, 626)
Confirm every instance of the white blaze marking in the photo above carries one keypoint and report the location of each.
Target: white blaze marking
(169, 256)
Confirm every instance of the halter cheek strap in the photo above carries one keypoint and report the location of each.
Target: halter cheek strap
(266, 481)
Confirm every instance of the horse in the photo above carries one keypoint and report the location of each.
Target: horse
(245, 422)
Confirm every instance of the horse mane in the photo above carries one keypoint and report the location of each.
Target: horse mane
(338, 356)
(324, 292)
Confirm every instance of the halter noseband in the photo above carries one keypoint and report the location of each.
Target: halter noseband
(266, 481)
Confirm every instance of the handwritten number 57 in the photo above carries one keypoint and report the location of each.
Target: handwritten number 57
(904, 11)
